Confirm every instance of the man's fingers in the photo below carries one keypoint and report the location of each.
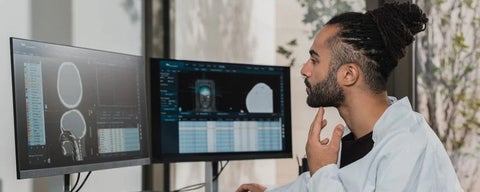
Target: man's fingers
(243, 187)
(317, 124)
(324, 141)
(337, 135)
(251, 187)
(324, 123)
(319, 117)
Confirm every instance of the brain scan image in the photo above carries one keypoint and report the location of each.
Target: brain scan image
(73, 128)
(72, 122)
(69, 85)
(260, 99)
(205, 95)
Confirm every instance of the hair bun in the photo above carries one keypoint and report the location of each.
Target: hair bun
(410, 14)
(398, 23)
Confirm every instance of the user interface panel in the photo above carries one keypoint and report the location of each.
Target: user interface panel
(211, 110)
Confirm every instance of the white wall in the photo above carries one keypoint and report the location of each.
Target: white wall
(110, 25)
(225, 30)
(106, 25)
(14, 22)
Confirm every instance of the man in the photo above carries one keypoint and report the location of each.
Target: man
(390, 147)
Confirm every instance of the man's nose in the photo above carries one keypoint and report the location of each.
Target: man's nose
(305, 71)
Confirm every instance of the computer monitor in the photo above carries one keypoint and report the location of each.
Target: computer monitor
(77, 109)
(212, 111)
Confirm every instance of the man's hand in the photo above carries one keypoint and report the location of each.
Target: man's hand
(321, 153)
(251, 187)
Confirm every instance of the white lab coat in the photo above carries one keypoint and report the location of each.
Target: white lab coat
(406, 156)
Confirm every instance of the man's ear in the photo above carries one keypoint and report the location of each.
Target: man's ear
(348, 74)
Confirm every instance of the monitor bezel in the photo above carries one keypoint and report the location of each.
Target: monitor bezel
(83, 167)
(159, 157)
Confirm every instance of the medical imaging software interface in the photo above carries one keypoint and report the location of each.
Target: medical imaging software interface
(77, 106)
(218, 107)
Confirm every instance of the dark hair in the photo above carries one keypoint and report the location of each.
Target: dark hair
(381, 35)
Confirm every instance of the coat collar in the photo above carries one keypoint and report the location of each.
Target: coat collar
(398, 115)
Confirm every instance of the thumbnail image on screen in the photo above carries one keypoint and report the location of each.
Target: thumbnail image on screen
(76, 109)
(219, 111)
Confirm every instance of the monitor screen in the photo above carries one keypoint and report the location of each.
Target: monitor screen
(210, 111)
(77, 109)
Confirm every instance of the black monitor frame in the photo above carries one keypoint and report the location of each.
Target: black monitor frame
(158, 156)
(110, 159)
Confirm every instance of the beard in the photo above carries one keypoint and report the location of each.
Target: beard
(326, 93)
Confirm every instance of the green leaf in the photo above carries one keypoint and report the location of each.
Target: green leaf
(284, 52)
(292, 42)
(311, 15)
(469, 3)
(468, 69)
(292, 62)
(464, 114)
(459, 41)
(438, 2)
(445, 21)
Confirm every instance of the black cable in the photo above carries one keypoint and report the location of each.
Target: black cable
(221, 169)
(191, 187)
(84, 180)
(200, 185)
(76, 182)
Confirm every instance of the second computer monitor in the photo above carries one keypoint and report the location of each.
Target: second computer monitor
(77, 109)
(209, 111)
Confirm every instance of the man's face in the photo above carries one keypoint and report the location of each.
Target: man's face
(322, 86)
(205, 97)
(326, 93)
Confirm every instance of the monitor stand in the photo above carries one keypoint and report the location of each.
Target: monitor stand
(166, 177)
(211, 170)
(66, 183)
